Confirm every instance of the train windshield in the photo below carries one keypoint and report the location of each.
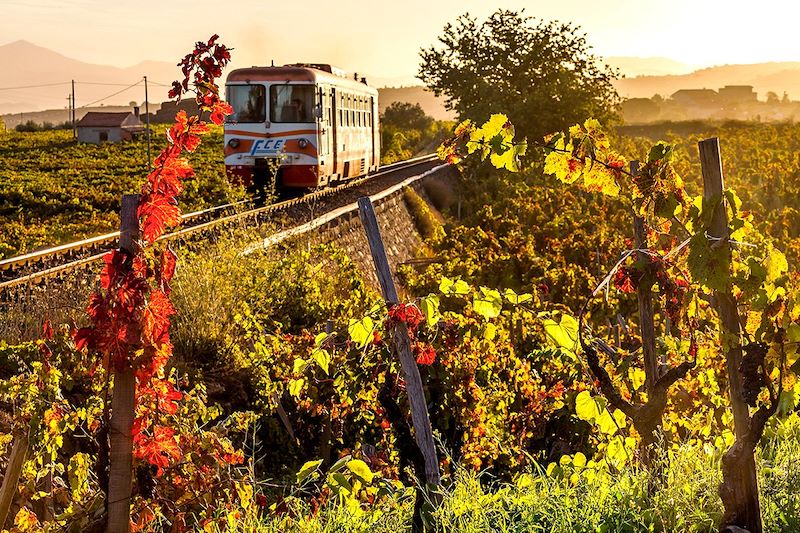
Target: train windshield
(249, 103)
(291, 103)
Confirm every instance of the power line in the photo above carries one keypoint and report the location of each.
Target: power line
(111, 95)
(99, 83)
(126, 87)
(34, 86)
(40, 96)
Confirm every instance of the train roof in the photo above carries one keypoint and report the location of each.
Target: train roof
(299, 73)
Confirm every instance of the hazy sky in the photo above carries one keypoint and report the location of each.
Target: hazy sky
(382, 38)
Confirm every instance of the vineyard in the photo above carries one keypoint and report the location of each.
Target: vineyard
(55, 190)
(602, 336)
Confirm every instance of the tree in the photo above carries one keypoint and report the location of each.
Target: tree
(405, 115)
(541, 73)
(772, 98)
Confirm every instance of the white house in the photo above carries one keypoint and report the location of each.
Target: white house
(97, 127)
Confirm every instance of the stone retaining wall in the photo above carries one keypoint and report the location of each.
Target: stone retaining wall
(398, 228)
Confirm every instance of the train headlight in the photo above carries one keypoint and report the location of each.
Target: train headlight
(302, 143)
(233, 143)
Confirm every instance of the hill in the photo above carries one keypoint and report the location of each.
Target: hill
(415, 95)
(25, 64)
(57, 116)
(432, 105)
(647, 66)
(776, 77)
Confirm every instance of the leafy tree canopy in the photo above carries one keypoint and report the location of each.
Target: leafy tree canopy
(404, 115)
(541, 73)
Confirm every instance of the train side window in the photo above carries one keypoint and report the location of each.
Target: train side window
(292, 103)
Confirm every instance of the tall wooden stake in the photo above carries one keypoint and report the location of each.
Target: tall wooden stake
(645, 297)
(147, 119)
(122, 404)
(739, 489)
(402, 345)
(74, 126)
(11, 478)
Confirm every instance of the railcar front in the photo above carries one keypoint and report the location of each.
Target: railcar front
(272, 135)
(298, 126)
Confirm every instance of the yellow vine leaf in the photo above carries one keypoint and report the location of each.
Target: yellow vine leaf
(597, 178)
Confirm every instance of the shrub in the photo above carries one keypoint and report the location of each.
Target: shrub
(424, 219)
(441, 195)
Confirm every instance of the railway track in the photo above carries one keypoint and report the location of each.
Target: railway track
(37, 267)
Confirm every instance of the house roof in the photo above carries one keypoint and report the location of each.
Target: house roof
(694, 92)
(108, 120)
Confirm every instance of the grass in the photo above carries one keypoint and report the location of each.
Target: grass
(578, 501)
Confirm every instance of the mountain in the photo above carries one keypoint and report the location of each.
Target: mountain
(24, 64)
(647, 66)
(776, 77)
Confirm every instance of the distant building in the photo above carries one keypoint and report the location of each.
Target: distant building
(638, 110)
(695, 97)
(737, 94)
(166, 114)
(97, 127)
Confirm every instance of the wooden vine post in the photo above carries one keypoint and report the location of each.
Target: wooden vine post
(652, 370)
(123, 403)
(739, 489)
(402, 345)
(11, 478)
(644, 295)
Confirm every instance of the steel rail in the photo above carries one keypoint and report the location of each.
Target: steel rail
(102, 243)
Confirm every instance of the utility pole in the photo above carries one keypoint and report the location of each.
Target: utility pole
(147, 119)
(74, 129)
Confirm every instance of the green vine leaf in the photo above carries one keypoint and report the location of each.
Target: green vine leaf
(307, 469)
(487, 302)
(361, 330)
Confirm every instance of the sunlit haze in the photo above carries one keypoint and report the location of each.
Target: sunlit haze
(382, 39)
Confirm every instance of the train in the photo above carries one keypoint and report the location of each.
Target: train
(299, 126)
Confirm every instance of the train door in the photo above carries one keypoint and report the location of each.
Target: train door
(334, 107)
(372, 133)
(324, 126)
